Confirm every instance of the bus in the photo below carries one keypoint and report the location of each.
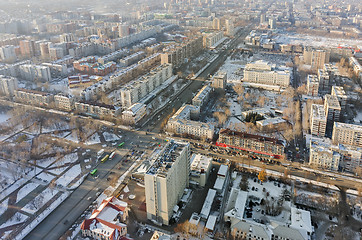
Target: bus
(112, 155)
(94, 171)
(121, 144)
(105, 158)
(100, 152)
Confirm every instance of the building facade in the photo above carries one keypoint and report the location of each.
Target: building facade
(166, 180)
(8, 85)
(349, 134)
(318, 120)
(312, 85)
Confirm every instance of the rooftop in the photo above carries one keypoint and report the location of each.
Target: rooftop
(332, 101)
(206, 208)
(348, 126)
(200, 162)
(318, 112)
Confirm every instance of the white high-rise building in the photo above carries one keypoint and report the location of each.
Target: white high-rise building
(7, 54)
(318, 120)
(166, 180)
(345, 133)
(8, 85)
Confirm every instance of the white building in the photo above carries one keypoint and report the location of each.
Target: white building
(35, 72)
(8, 85)
(312, 85)
(64, 102)
(211, 40)
(320, 155)
(200, 169)
(181, 124)
(166, 180)
(345, 133)
(202, 96)
(318, 120)
(332, 108)
(261, 72)
(134, 113)
(339, 92)
(7, 54)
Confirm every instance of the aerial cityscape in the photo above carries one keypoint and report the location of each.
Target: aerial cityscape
(181, 119)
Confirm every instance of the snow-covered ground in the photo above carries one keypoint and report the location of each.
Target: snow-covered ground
(73, 137)
(316, 41)
(58, 171)
(4, 117)
(45, 177)
(45, 162)
(25, 190)
(233, 69)
(40, 200)
(109, 137)
(67, 177)
(16, 219)
(358, 118)
(4, 206)
(94, 139)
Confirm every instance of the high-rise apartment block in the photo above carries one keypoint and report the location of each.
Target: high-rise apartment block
(7, 54)
(318, 120)
(316, 57)
(339, 92)
(166, 180)
(8, 85)
(332, 108)
(312, 85)
(345, 133)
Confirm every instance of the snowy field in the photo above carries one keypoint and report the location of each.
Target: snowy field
(94, 139)
(39, 201)
(358, 118)
(25, 190)
(69, 176)
(316, 41)
(16, 219)
(109, 137)
(4, 117)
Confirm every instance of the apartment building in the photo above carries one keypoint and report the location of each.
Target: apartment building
(312, 85)
(177, 54)
(345, 133)
(166, 180)
(324, 83)
(64, 102)
(33, 97)
(202, 97)
(107, 222)
(332, 108)
(33, 72)
(251, 143)
(261, 72)
(8, 85)
(357, 68)
(89, 65)
(200, 167)
(134, 91)
(181, 124)
(219, 81)
(341, 95)
(320, 155)
(212, 39)
(316, 57)
(7, 54)
(131, 59)
(95, 109)
(134, 113)
(318, 120)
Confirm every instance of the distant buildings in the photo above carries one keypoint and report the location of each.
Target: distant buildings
(318, 120)
(108, 221)
(7, 54)
(251, 143)
(212, 39)
(33, 72)
(166, 180)
(90, 66)
(178, 54)
(262, 72)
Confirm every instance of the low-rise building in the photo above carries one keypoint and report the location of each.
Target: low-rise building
(89, 65)
(219, 81)
(33, 97)
(320, 155)
(202, 97)
(318, 120)
(251, 143)
(95, 109)
(64, 102)
(134, 113)
(181, 124)
(262, 72)
(211, 40)
(200, 169)
(108, 221)
(312, 85)
(349, 134)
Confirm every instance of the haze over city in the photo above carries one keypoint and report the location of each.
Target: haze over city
(180, 119)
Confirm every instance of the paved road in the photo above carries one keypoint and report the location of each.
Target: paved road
(61, 219)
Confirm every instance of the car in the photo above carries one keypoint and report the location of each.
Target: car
(89, 198)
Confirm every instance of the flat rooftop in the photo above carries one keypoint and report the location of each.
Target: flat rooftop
(318, 112)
